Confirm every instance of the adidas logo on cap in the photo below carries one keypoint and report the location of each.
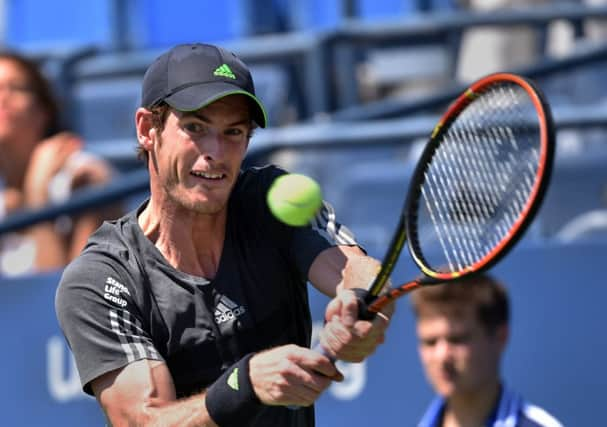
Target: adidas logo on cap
(224, 71)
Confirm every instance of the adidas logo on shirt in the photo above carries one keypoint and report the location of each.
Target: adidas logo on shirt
(227, 310)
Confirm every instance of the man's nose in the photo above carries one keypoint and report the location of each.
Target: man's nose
(211, 145)
(443, 349)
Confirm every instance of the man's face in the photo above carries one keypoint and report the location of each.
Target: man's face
(459, 356)
(197, 156)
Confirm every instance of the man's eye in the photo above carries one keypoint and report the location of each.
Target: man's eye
(431, 342)
(193, 127)
(458, 339)
(234, 132)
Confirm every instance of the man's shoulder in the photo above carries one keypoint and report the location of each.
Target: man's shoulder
(261, 176)
(252, 186)
(534, 416)
(113, 235)
(106, 272)
(111, 247)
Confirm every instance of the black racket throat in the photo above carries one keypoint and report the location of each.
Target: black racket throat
(364, 299)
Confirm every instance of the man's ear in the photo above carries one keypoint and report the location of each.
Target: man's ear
(502, 333)
(145, 129)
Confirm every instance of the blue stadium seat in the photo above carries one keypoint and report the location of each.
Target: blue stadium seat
(103, 109)
(136, 23)
(104, 91)
(324, 14)
(315, 14)
(272, 88)
(373, 9)
(161, 24)
(583, 85)
(59, 22)
(262, 16)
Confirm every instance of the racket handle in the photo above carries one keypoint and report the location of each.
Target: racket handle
(364, 299)
(320, 349)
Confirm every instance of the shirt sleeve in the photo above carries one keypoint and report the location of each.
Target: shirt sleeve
(324, 231)
(306, 243)
(97, 311)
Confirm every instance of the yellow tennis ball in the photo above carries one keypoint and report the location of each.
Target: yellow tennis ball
(294, 199)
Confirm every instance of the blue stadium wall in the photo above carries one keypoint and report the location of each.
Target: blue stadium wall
(556, 355)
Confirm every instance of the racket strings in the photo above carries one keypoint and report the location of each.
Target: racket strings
(440, 202)
(480, 160)
(470, 207)
(480, 178)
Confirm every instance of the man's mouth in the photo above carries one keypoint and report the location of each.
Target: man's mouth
(448, 373)
(208, 175)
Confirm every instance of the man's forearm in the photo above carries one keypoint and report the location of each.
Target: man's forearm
(346, 265)
(188, 412)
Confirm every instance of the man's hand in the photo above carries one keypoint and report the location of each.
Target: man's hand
(335, 272)
(291, 375)
(347, 338)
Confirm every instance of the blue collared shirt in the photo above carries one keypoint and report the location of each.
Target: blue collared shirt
(511, 411)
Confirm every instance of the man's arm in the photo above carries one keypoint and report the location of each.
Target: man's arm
(143, 393)
(336, 271)
(346, 265)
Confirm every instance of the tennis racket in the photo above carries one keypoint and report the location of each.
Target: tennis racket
(476, 188)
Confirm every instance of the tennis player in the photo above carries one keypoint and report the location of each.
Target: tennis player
(192, 310)
(463, 331)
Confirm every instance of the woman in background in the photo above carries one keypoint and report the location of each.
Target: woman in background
(39, 164)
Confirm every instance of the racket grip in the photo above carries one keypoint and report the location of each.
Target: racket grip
(319, 349)
(364, 298)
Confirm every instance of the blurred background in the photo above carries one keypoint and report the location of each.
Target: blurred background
(353, 89)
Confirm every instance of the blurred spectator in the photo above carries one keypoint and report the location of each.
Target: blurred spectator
(596, 29)
(40, 165)
(485, 50)
(462, 333)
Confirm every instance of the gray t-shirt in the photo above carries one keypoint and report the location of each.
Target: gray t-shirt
(120, 301)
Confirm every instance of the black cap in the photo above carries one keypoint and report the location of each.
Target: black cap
(191, 76)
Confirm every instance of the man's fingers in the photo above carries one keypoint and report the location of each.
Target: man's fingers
(353, 344)
(349, 307)
(344, 342)
(381, 321)
(333, 308)
(291, 375)
(317, 363)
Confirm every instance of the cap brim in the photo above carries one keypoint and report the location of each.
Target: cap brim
(195, 97)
